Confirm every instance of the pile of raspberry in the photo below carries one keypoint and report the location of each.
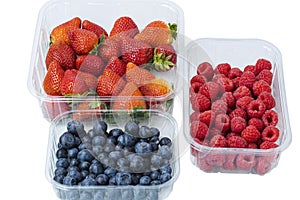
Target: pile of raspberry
(234, 109)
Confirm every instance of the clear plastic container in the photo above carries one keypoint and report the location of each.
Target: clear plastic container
(163, 121)
(238, 53)
(104, 13)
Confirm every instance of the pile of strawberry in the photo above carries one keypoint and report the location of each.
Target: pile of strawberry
(83, 59)
(234, 109)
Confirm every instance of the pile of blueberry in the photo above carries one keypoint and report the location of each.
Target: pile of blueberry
(135, 156)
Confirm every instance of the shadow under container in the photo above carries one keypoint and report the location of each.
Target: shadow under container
(238, 53)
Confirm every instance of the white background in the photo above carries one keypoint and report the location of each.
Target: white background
(24, 132)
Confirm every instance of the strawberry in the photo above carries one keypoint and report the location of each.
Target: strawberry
(89, 79)
(84, 106)
(60, 33)
(130, 98)
(72, 84)
(164, 58)
(136, 51)
(91, 26)
(52, 109)
(117, 66)
(157, 33)
(53, 79)
(109, 48)
(90, 63)
(109, 83)
(63, 54)
(137, 75)
(82, 41)
(156, 87)
(124, 27)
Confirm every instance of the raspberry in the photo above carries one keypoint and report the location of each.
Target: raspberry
(262, 64)
(262, 166)
(250, 68)
(210, 90)
(231, 135)
(229, 99)
(222, 122)
(204, 166)
(200, 102)
(226, 84)
(261, 86)
(270, 118)
(195, 87)
(247, 79)
(219, 107)
(223, 68)
(215, 131)
(236, 82)
(252, 146)
(238, 124)
(241, 91)
(215, 160)
(195, 116)
(258, 123)
(268, 100)
(235, 72)
(238, 112)
(268, 145)
(198, 130)
(207, 117)
(218, 141)
(243, 102)
(236, 142)
(270, 133)
(205, 69)
(265, 75)
(198, 79)
(256, 108)
(250, 134)
(230, 162)
(245, 162)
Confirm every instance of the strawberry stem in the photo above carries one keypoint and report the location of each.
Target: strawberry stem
(173, 28)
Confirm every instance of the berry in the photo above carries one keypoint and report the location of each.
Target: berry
(270, 118)
(244, 102)
(198, 130)
(258, 123)
(132, 128)
(268, 99)
(207, 117)
(222, 122)
(84, 155)
(145, 180)
(265, 75)
(165, 152)
(230, 162)
(250, 134)
(262, 166)
(200, 102)
(143, 147)
(252, 146)
(204, 166)
(219, 107)
(245, 161)
(261, 86)
(268, 145)
(236, 142)
(247, 79)
(62, 163)
(205, 69)
(198, 79)
(218, 141)
(229, 99)
(256, 108)
(234, 73)
(195, 87)
(196, 116)
(216, 160)
(75, 127)
(124, 27)
(238, 112)
(262, 64)
(250, 68)
(226, 84)
(210, 90)
(223, 68)
(242, 91)
(238, 124)
(102, 179)
(165, 141)
(67, 140)
(270, 133)
(100, 127)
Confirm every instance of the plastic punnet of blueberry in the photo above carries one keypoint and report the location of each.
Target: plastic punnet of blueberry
(134, 155)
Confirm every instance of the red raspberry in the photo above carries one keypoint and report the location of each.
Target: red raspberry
(247, 79)
(270, 133)
(262, 166)
(265, 75)
(229, 99)
(205, 69)
(215, 160)
(231, 135)
(195, 87)
(201, 142)
(236, 82)
(238, 112)
(219, 107)
(243, 102)
(262, 64)
(268, 145)
(256, 108)
(236, 142)
(258, 123)
(250, 68)
(235, 72)
(230, 162)
(250, 134)
(252, 146)
(215, 131)
(226, 84)
(200, 102)
(242, 91)
(198, 79)
(261, 86)
(238, 124)
(218, 141)
(204, 166)
(222, 122)
(207, 117)
(268, 100)
(245, 162)
(223, 68)
(270, 118)
(198, 130)
(195, 116)
(210, 90)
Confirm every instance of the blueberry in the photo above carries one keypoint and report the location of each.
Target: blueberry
(112, 140)
(75, 127)
(107, 162)
(85, 195)
(69, 181)
(77, 141)
(59, 178)
(166, 169)
(145, 132)
(143, 147)
(97, 149)
(156, 161)
(62, 162)
(73, 168)
(88, 181)
(95, 161)
(119, 147)
(154, 139)
(102, 179)
(91, 133)
(165, 152)
(86, 139)
(132, 128)
(129, 140)
(165, 177)
(92, 176)
(82, 146)
(112, 181)
(154, 146)
(115, 155)
(109, 147)
(61, 153)
(99, 140)
(165, 141)
(123, 163)
(84, 173)
(115, 132)
(60, 171)
(123, 178)
(84, 165)
(155, 182)
(135, 178)
(145, 180)
(100, 128)
(67, 141)
(85, 155)
(76, 175)
(110, 172)
(137, 164)
(155, 175)
(155, 131)
(96, 168)
(72, 153)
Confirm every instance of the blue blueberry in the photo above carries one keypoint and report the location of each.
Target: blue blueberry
(77, 141)
(76, 175)
(154, 146)
(145, 180)
(85, 165)
(69, 181)
(155, 182)
(165, 152)
(110, 172)
(88, 181)
(135, 178)
(165, 141)
(99, 140)
(109, 147)
(96, 168)
(143, 147)
(75, 127)
(59, 178)
(86, 140)
(61, 153)
(100, 128)
(132, 128)
(145, 132)
(72, 153)
(102, 179)
(156, 161)
(85, 155)
(97, 149)
(112, 140)
(165, 169)
(71, 168)
(115, 155)
(60, 171)
(82, 146)
(91, 133)
(128, 141)
(84, 173)
(123, 178)
(115, 132)
(112, 181)
(155, 131)
(123, 163)
(155, 175)
(92, 176)
(137, 164)
(62, 162)
(67, 140)
(165, 177)
(154, 139)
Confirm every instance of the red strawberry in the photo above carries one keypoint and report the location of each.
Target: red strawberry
(63, 54)
(73, 84)
(137, 75)
(82, 41)
(52, 109)
(117, 66)
(90, 63)
(60, 33)
(109, 48)
(98, 30)
(124, 27)
(164, 58)
(84, 106)
(89, 79)
(136, 51)
(109, 83)
(53, 79)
